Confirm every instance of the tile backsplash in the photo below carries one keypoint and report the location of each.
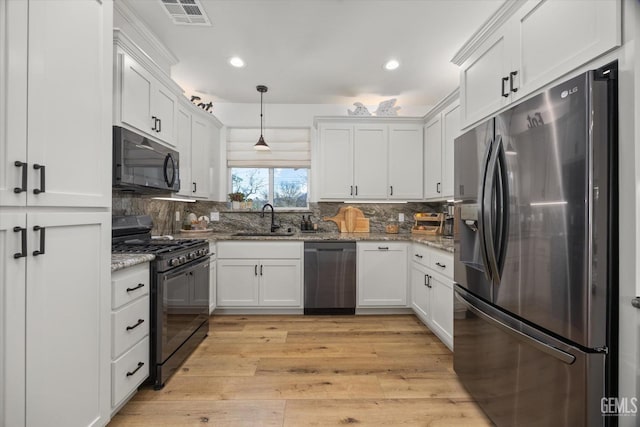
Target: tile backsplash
(163, 214)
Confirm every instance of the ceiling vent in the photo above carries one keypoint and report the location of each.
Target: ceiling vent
(186, 12)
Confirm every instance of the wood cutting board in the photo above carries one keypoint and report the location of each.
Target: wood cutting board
(346, 214)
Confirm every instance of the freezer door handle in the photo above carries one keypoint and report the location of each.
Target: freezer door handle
(481, 219)
(545, 348)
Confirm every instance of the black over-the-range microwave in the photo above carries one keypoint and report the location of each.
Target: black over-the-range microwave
(143, 166)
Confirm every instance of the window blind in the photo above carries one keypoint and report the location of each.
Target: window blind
(290, 147)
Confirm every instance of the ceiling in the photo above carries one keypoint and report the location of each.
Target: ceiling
(320, 51)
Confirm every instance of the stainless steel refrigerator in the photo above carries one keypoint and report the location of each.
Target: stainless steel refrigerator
(535, 324)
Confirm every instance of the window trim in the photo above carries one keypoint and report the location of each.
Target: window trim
(271, 189)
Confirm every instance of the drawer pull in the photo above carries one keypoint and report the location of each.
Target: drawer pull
(140, 365)
(383, 248)
(419, 256)
(140, 285)
(441, 265)
(140, 322)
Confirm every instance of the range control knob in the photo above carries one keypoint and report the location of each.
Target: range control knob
(183, 259)
(173, 262)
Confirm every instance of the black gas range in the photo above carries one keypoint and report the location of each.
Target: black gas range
(179, 303)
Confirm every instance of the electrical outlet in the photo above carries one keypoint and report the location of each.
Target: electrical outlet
(177, 215)
(214, 216)
(401, 217)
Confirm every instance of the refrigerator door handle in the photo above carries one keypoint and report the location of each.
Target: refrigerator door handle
(502, 194)
(481, 218)
(563, 356)
(486, 210)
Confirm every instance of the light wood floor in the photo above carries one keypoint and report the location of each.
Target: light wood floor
(311, 370)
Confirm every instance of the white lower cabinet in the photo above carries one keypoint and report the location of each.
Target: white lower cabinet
(432, 290)
(129, 332)
(54, 318)
(259, 274)
(382, 274)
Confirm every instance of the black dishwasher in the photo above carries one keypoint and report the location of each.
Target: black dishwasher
(330, 277)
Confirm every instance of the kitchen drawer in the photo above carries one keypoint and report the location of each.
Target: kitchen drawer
(129, 284)
(260, 250)
(129, 325)
(129, 371)
(442, 262)
(420, 254)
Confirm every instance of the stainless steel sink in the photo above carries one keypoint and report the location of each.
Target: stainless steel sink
(262, 234)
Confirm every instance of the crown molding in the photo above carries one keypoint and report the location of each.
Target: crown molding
(504, 12)
(134, 20)
(447, 100)
(122, 41)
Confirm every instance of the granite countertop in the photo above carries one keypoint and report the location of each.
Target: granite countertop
(120, 261)
(437, 242)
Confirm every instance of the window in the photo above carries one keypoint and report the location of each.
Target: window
(284, 188)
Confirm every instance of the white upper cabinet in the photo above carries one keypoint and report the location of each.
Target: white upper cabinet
(533, 43)
(433, 157)
(145, 103)
(405, 162)
(335, 167)
(484, 82)
(200, 145)
(440, 131)
(370, 165)
(450, 131)
(554, 37)
(183, 125)
(49, 129)
(370, 159)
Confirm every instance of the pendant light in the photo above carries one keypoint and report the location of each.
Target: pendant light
(261, 145)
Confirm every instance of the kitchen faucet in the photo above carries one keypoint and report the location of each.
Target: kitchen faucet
(274, 227)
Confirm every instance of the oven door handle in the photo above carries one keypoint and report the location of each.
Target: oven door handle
(184, 268)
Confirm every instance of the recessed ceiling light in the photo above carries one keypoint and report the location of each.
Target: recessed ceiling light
(237, 62)
(391, 64)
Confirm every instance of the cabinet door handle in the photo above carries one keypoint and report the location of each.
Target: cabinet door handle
(441, 265)
(511, 76)
(438, 188)
(41, 250)
(425, 280)
(23, 185)
(23, 242)
(155, 123)
(261, 269)
(428, 281)
(383, 248)
(195, 187)
(356, 190)
(41, 169)
(140, 285)
(255, 270)
(351, 193)
(138, 323)
(140, 365)
(159, 125)
(503, 93)
(391, 186)
(418, 256)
